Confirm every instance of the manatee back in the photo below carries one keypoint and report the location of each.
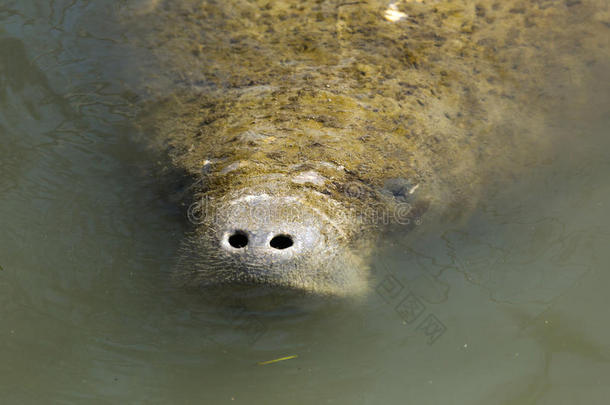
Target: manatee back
(452, 95)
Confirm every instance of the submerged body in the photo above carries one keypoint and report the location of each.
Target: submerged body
(310, 127)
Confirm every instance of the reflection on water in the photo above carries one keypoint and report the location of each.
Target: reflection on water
(508, 308)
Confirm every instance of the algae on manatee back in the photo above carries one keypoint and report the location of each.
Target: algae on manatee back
(250, 98)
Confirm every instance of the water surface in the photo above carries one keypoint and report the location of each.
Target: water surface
(507, 308)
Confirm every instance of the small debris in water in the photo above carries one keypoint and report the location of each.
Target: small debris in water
(393, 14)
(262, 363)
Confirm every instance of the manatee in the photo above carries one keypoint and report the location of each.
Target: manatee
(309, 129)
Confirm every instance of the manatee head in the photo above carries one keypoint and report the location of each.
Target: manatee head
(302, 228)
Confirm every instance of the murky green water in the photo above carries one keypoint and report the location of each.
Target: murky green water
(510, 308)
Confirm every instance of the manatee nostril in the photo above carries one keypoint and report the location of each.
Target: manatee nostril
(238, 240)
(281, 242)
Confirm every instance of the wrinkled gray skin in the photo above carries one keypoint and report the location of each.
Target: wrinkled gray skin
(324, 123)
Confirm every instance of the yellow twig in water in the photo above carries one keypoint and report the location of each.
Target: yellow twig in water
(262, 363)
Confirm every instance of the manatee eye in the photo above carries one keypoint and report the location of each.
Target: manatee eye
(238, 240)
(281, 242)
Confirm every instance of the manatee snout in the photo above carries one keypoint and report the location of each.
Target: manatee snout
(293, 241)
(265, 229)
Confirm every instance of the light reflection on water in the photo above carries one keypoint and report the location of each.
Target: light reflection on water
(87, 240)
